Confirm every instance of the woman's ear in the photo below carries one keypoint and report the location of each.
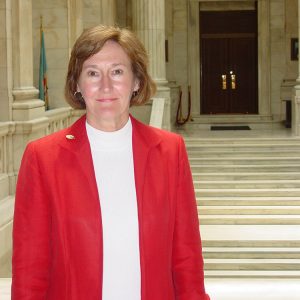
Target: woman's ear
(136, 85)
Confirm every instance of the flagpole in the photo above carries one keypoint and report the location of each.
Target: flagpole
(43, 85)
(41, 27)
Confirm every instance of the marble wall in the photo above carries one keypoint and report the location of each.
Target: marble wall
(177, 67)
(284, 71)
(55, 23)
(91, 13)
(124, 13)
(291, 31)
(96, 12)
(278, 57)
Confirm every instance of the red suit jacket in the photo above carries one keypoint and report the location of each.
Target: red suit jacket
(57, 234)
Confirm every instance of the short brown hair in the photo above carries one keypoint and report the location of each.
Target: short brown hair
(91, 42)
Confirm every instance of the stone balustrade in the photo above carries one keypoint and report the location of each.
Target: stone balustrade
(11, 151)
(157, 112)
(7, 129)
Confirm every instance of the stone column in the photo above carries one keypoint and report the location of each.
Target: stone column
(75, 20)
(108, 12)
(5, 62)
(27, 109)
(149, 25)
(26, 105)
(296, 96)
(264, 62)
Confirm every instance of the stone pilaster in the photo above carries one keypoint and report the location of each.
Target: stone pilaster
(108, 12)
(27, 109)
(26, 105)
(296, 96)
(75, 22)
(149, 25)
(5, 62)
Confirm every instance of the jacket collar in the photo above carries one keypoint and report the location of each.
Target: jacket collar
(144, 138)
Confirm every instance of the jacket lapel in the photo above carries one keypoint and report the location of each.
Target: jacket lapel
(75, 142)
(143, 142)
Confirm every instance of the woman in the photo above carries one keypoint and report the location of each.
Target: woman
(106, 209)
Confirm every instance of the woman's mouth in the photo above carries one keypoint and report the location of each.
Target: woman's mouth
(106, 100)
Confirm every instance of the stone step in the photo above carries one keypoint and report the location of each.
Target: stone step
(195, 153)
(250, 253)
(247, 176)
(250, 236)
(256, 123)
(219, 192)
(252, 274)
(250, 210)
(248, 243)
(248, 197)
(246, 184)
(252, 264)
(237, 237)
(251, 250)
(248, 201)
(255, 141)
(253, 161)
(242, 147)
(262, 168)
(221, 219)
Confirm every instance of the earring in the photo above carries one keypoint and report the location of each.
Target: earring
(78, 96)
(135, 93)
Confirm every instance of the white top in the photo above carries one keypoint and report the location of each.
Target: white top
(113, 163)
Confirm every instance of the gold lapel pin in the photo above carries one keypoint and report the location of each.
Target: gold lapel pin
(70, 137)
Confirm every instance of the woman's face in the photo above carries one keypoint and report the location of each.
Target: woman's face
(106, 83)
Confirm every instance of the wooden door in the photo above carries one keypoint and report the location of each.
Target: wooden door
(228, 62)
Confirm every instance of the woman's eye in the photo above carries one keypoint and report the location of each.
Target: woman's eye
(117, 72)
(92, 73)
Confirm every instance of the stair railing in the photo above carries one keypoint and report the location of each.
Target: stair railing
(180, 120)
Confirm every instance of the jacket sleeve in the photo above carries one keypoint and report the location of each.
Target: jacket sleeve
(187, 258)
(31, 232)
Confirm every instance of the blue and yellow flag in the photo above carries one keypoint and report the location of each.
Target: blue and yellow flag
(43, 85)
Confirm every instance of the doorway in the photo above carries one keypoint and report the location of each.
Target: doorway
(228, 59)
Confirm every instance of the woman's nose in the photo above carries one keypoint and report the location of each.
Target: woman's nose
(106, 83)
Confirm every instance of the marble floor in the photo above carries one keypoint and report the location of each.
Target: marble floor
(255, 132)
(227, 289)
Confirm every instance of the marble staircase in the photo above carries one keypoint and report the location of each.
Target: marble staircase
(248, 196)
